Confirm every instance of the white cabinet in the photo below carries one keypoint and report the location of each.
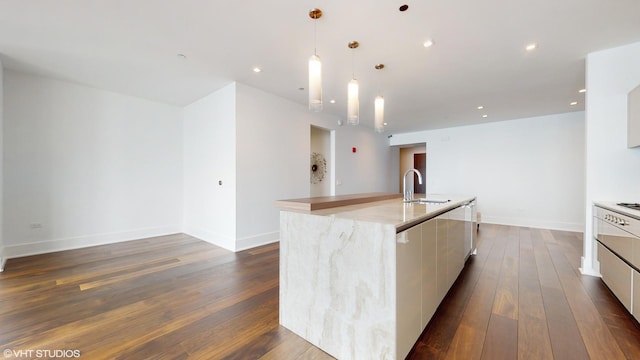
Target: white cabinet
(618, 253)
(429, 258)
(470, 228)
(430, 298)
(616, 274)
(633, 118)
(442, 228)
(450, 249)
(455, 244)
(614, 238)
(636, 295)
(408, 289)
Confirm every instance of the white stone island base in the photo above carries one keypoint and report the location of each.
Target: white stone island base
(337, 281)
(362, 281)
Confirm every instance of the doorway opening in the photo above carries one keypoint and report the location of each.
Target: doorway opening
(414, 157)
(322, 160)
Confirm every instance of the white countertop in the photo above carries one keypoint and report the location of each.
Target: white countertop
(395, 212)
(617, 208)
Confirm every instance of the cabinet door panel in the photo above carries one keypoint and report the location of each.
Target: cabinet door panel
(455, 245)
(616, 274)
(636, 295)
(430, 299)
(442, 224)
(616, 239)
(408, 290)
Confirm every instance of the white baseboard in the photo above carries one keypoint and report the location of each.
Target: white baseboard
(538, 224)
(257, 240)
(48, 246)
(217, 239)
(3, 259)
(229, 243)
(41, 247)
(588, 268)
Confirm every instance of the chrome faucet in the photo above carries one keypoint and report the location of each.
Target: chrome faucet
(408, 194)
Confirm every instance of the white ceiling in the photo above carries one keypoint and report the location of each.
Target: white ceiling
(131, 47)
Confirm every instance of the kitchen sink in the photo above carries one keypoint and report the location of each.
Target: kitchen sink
(430, 201)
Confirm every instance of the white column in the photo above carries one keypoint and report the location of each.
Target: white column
(2, 256)
(612, 170)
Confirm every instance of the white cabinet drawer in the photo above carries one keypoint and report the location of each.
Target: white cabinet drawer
(616, 231)
(615, 239)
(616, 274)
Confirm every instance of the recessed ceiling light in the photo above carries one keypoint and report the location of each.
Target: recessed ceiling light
(485, 115)
(582, 91)
(332, 101)
(531, 47)
(256, 69)
(404, 7)
(480, 107)
(573, 103)
(385, 124)
(428, 43)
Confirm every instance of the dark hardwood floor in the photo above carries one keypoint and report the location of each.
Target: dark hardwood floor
(175, 297)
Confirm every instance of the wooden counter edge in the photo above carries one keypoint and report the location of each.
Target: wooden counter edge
(328, 202)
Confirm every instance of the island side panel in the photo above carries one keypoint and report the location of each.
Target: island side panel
(337, 284)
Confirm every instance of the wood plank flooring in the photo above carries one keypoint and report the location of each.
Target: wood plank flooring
(523, 297)
(176, 297)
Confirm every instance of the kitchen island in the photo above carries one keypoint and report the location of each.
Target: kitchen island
(362, 281)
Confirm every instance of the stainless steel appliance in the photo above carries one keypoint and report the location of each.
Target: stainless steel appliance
(470, 227)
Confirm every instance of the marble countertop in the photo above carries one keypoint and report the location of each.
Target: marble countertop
(617, 208)
(394, 212)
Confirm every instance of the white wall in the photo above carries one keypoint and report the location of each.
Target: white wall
(612, 170)
(273, 145)
(209, 157)
(3, 258)
(84, 166)
(321, 144)
(525, 172)
(372, 168)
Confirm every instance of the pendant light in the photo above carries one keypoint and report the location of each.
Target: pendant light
(315, 68)
(379, 114)
(353, 104)
(378, 109)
